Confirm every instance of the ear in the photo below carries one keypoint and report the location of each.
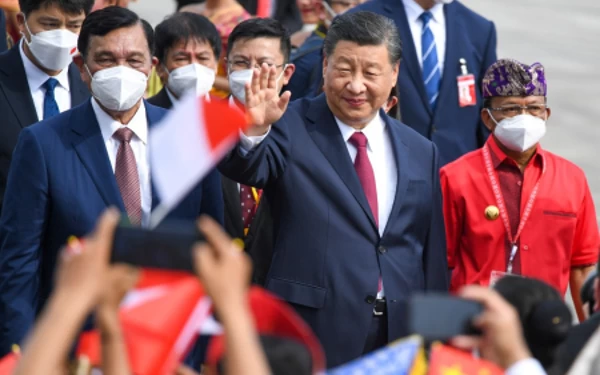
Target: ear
(548, 113)
(596, 294)
(487, 120)
(288, 73)
(162, 72)
(79, 62)
(21, 24)
(391, 103)
(154, 61)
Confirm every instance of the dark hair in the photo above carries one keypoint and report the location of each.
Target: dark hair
(183, 27)
(262, 28)
(545, 318)
(364, 29)
(68, 6)
(286, 356)
(103, 21)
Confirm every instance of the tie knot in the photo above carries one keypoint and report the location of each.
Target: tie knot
(425, 17)
(50, 84)
(359, 140)
(124, 134)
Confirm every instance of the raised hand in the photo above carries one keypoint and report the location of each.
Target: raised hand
(264, 105)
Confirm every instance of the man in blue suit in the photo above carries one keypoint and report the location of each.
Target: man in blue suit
(436, 35)
(355, 194)
(68, 169)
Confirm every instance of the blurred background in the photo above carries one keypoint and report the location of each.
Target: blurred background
(559, 34)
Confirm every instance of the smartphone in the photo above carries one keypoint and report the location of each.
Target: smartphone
(169, 246)
(440, 317)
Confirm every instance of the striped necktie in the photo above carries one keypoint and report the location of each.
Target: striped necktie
(431, 69)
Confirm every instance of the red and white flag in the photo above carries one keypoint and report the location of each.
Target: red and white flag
(188, 143)
(160, 320)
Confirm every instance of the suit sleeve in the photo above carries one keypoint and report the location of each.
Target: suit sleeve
(587, 242)
(267, 161)
(212, 197)
(453, 219)
(489, 58)
(21, 231)
(436, 266)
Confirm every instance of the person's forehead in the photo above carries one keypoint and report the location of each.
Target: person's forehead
(52, 10)
(194, 45)
(122, 41)
(350, 51)
(257, 48)
(519, 100)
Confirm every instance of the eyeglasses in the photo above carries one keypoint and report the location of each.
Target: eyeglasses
(515, 110)
(245, 64)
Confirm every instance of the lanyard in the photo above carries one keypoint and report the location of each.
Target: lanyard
(502, 208)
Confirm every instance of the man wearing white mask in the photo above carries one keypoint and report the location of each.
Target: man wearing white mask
(247, 215)
(188, 47)
(68, 169)
(512, 207)
(37, 79)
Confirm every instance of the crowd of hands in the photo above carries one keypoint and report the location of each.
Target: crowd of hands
(87, 283)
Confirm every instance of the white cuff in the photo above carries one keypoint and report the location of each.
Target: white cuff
(529, 366)
(247, 143)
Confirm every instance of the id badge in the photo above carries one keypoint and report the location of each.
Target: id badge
(466, 90)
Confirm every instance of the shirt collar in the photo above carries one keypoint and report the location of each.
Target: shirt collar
(373, 131)
(36, 77)
(414, 11)
(498, 156)
(108, 125)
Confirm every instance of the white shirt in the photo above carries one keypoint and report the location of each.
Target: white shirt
(36, 79)
(437, 26)
(139, 126)
(529, 366)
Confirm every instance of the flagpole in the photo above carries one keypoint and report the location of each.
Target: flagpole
(158, 214)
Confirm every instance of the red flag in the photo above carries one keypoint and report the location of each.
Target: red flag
(274, 317)
(445, 360)
(263, 8)
(160, 319)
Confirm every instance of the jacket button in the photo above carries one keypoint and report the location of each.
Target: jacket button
(382, 250)
(370, 299)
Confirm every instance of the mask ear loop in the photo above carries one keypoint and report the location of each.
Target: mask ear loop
(28, 30)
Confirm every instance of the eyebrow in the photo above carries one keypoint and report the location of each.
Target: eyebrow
(48, 19)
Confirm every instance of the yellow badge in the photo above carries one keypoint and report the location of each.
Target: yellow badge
(492, 212)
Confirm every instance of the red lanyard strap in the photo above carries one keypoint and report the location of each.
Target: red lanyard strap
(502, 207)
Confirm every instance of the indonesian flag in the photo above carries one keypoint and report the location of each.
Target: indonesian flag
(189, 142)
(445, 360)
(160, 319)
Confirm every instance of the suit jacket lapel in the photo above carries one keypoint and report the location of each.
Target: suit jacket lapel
(401, 152)
(153, 116)
(79, 92)
(395, 10)
(91, 149)
(324, 131)
(451, 64)
(17, 88)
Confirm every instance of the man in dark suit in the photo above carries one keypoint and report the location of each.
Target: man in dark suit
(354, 194)
(429, 94)
(37, 79)
(68, 169)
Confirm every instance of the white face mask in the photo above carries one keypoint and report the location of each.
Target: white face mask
(191, 77)
(54, 49)
(238, 80)
(521, 132)
(118, 88)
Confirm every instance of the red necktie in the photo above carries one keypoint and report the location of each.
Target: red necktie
(364, 170)
(127, 177)
(249, 205)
